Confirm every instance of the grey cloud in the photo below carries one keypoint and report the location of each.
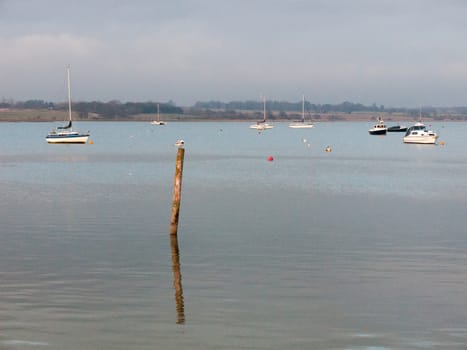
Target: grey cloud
(362, 50)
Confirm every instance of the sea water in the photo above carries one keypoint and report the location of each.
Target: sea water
(363, 247)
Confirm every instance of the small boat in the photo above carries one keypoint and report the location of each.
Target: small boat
(66, 134)
(261, 124)
(302, 124)
(158, 120)
(418, 133)
(379, 128)
(397, 128)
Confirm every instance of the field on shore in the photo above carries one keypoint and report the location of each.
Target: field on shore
(45, 115)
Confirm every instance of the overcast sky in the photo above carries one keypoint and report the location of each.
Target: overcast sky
(389, 52)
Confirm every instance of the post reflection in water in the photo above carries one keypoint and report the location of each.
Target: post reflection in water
(177, 279)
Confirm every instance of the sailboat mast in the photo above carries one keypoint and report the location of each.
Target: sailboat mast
(158, 112)
(69, 92)
(303, 107)
(264, 108)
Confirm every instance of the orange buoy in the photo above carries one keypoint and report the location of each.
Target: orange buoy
(270, 158)
(441, 143)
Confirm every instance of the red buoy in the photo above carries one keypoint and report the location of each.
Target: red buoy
(270, 158)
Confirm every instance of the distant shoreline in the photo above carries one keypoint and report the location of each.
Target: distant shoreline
(48, 116)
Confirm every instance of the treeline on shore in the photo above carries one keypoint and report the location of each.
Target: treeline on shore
(344, 107)
(106, 110)
(234, 110)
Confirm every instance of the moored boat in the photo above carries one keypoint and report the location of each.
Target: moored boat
(397, 128)
(262, 124)
(302, 124)
(66, 134)
(379, 128)
(419, 133)
(158, 120)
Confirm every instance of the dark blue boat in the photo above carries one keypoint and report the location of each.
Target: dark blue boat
(397, 128)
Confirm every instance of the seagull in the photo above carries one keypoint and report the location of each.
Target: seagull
(179, 143)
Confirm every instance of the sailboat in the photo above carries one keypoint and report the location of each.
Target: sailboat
(261, 124)
(66, 134)
(158, 120)
(302, 124)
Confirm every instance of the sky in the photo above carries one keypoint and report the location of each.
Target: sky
(396, 53)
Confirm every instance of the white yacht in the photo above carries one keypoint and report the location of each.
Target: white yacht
(418, 133)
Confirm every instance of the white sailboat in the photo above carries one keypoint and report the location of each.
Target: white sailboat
(261, 124)
(302, 124)
(66, 134)
(158, 120)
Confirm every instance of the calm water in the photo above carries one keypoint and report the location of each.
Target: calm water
(361, 248)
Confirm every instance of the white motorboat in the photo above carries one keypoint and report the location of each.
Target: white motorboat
(302, 124)
(158, 119)
(418, 133)
(379, 128)
(66, 134)
(262, 124)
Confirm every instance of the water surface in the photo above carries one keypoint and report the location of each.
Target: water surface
(360, 248)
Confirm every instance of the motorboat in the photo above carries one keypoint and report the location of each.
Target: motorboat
(397, 128)
(419, 133)
(66, 134)
(302, 124)
(379, 128)
(262, 124)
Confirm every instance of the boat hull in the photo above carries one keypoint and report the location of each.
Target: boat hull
(261, 126)
(420, 139)
(301, 126)
(377, 132)
(80, 138)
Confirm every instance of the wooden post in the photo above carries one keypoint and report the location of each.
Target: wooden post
(177, 194)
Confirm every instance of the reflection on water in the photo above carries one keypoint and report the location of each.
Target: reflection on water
(177, 279)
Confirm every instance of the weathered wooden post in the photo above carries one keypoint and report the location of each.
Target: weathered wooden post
(177, 194)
